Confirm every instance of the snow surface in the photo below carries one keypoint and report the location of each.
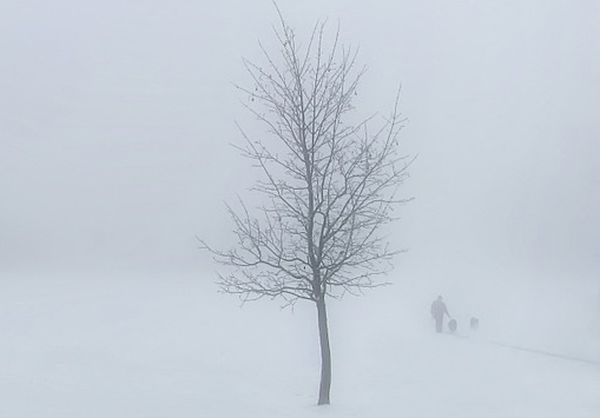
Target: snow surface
(172, 347)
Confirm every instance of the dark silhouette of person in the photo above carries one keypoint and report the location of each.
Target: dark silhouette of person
(438, 310)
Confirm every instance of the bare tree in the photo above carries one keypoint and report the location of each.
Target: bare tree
(328, 184)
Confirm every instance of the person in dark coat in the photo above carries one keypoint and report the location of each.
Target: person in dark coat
(438, 310)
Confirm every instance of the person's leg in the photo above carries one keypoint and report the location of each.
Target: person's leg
(438, 324)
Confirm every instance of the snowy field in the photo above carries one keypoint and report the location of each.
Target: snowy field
(172, 347)
(116, 120)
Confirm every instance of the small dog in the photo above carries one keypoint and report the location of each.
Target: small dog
(452, 325)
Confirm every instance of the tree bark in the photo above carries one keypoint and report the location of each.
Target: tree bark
(325, 385)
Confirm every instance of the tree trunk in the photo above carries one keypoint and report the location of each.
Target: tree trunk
(325, 385)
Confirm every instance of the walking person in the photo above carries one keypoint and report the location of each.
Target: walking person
(438, 311)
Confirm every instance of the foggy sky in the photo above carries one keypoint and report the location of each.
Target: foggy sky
(115, 120)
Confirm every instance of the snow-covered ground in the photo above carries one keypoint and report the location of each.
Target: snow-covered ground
(133, 346)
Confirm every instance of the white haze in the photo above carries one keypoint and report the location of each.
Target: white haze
(115, 124)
